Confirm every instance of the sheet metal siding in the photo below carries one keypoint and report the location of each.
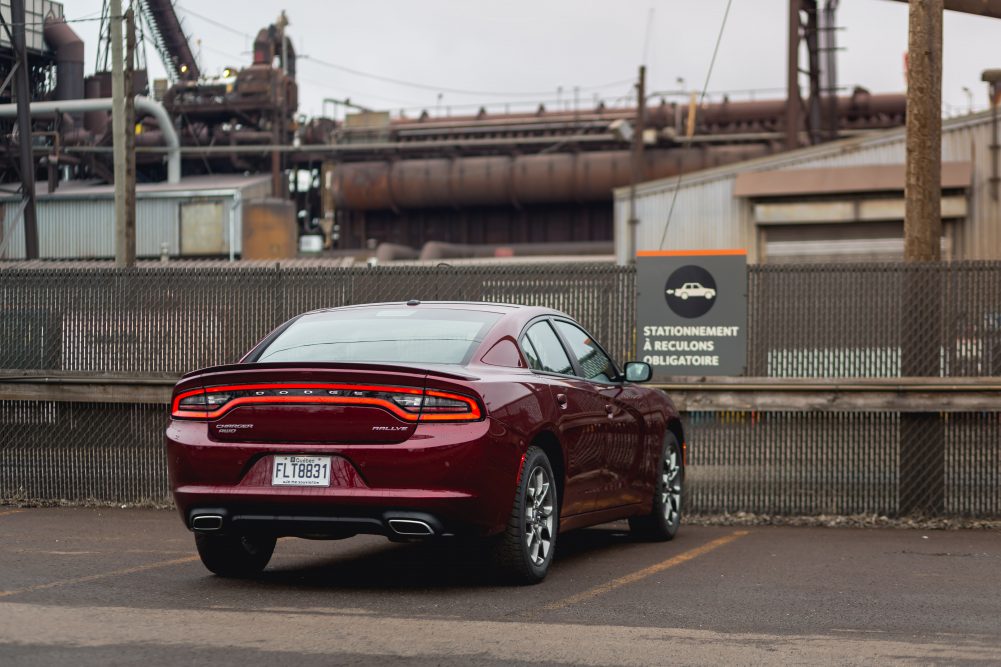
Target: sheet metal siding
(84, 228)
(706, 214)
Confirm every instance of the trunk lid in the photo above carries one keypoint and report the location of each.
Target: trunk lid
(307, 403)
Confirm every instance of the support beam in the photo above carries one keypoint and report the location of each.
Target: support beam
(636, 172)
(22, 92)
(118, 127)
(125, 246)
(989, 8)
(922, 188)
(793, 100)
(922, 438)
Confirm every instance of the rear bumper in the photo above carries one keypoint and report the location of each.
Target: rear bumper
(456, 478)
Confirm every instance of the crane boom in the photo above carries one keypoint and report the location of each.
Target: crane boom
(170, 40)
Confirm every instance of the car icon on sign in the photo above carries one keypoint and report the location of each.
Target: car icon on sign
(693, 289)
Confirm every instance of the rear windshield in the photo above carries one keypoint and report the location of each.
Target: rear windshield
(401, 335)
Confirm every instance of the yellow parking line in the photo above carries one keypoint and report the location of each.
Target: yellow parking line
(646, 572)
(9, 512)
(104, 575)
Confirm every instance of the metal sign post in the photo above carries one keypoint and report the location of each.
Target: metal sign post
(691, 312)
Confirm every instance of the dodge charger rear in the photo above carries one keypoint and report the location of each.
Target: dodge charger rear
(414, 421)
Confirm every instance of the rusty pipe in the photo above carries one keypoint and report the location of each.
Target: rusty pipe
(439, 250)
(503, 180)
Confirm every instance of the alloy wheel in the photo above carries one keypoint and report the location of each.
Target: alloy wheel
(538, 533)
(670, 485)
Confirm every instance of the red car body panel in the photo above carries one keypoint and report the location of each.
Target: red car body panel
(463, 476)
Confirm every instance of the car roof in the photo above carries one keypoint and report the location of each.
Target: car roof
(483, 306)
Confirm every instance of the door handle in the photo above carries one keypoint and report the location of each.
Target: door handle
(561, 400)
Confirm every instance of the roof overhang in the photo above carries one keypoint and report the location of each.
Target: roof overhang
(841, 180)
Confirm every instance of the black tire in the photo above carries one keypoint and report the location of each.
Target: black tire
(665, 516)
(235, 555)
(524, 551)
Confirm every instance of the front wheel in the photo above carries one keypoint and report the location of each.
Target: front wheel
(235, 555)
(665, 517)
(524, 550)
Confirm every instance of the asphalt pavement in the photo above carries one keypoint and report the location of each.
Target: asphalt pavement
(124, 586)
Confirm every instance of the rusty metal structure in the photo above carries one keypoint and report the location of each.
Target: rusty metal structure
(254, 105)
(484, 179)
(536, 177)
(251, 106)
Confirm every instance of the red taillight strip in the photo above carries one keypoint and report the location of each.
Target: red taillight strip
(304, 385)
(474, 413)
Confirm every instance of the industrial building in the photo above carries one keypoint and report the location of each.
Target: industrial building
(837, 202)
(201, 216)
(490, 182)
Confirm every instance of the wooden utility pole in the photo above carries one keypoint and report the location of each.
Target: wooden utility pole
(129, 228)
(22, 92)
(118, 130)
(923, 185)
(922, 436)
(637, 160)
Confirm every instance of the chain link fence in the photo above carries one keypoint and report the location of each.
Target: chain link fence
(862, 321)
(843, 463)
(173, 320)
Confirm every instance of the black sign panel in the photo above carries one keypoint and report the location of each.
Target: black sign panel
(691, 314)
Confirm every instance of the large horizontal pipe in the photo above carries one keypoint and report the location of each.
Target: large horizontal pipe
(440, 250)
(517, 180)
(861, 104)
(143, 105)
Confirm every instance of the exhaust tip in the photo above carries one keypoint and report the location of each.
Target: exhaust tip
(410, 527)
(206, 523)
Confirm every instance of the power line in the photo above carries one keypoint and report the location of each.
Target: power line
(218, 24)
(705, 87)
(445, 89)
(402, 82)
(84, 19)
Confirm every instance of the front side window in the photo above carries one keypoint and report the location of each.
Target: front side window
(594, 364)
(544, 351)
(411, 335)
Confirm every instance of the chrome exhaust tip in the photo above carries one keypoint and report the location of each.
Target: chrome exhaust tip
(410, 528)
(206, 523)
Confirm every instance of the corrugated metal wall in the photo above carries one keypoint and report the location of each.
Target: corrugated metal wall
(84, 228)
(707, 215)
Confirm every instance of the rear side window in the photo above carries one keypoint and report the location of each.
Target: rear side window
(544, 351)
(594, 364)
(411, 335)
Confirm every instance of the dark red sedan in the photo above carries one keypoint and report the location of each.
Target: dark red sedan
(422, 420)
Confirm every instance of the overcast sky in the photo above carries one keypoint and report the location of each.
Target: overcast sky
(473, 52)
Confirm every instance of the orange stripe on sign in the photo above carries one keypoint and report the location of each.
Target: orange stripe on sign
(690, 253)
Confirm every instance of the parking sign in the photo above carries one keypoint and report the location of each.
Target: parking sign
(691, 312)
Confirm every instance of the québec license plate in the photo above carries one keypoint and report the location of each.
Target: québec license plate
(301, 471)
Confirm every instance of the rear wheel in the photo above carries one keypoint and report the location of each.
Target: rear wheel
(665, 517)
(524, 551)
(235, 555)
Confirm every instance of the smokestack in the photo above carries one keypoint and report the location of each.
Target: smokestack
(68, 48)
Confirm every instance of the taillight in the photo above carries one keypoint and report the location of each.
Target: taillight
(407, 403)
(442, 406)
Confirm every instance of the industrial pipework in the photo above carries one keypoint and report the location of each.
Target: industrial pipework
(144, 105)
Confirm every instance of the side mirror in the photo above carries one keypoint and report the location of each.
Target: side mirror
(638, 371)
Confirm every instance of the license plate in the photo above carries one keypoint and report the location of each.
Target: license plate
(301, 471)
